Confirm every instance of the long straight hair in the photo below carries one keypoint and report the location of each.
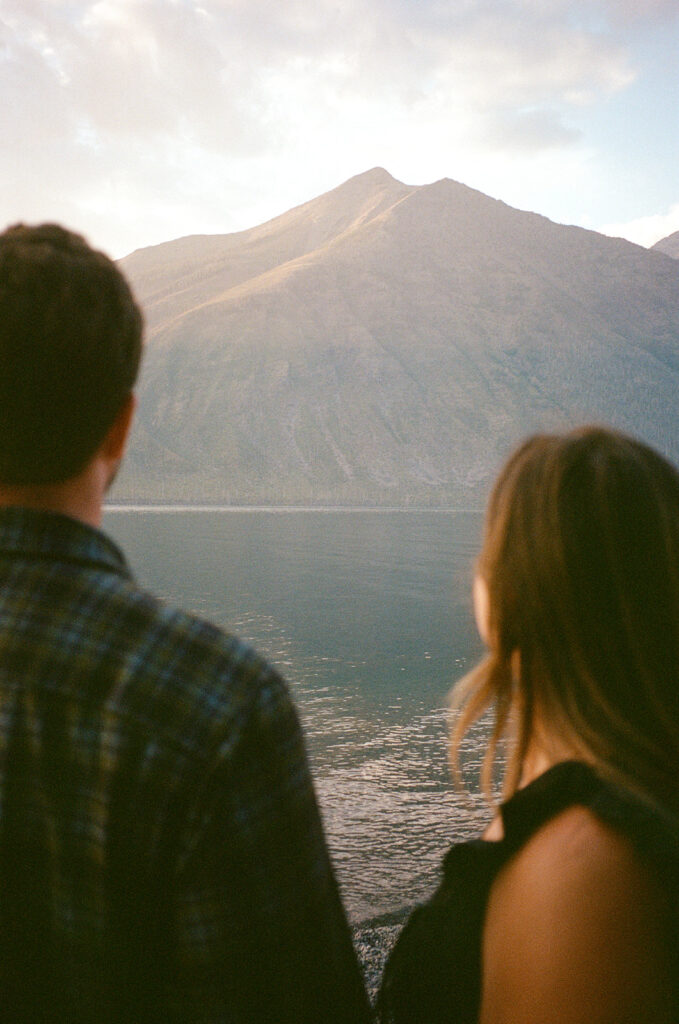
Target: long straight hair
(581, 560)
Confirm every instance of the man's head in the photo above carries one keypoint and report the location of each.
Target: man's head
(70, 346)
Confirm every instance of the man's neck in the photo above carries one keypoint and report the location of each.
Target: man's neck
(80, 497)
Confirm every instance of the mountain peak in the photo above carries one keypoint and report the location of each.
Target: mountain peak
(669, 245)
(377, 175)
(373, 182)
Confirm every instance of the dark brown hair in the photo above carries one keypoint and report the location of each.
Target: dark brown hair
(70, 346)
(581, 560)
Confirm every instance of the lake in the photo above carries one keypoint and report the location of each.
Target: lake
(367, 613)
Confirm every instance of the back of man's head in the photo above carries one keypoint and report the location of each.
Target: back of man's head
(70, 346)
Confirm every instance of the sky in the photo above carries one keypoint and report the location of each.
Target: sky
(138, 121)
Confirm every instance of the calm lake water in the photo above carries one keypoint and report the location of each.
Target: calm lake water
(368, 616)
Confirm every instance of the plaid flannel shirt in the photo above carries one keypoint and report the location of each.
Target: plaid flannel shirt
(161, 852)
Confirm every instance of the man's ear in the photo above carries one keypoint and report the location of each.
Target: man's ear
(115, 442)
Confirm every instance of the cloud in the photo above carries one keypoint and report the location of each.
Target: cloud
(632, 11)
(210, 69)
(646, 230)
(606, 13)
(530, 130)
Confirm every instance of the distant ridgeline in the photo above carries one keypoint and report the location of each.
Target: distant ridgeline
(385, 344)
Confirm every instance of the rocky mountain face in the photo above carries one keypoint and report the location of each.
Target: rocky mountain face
(387, 344)
(669, 245)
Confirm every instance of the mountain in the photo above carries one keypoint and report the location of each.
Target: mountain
(386, 344)
(668, 245)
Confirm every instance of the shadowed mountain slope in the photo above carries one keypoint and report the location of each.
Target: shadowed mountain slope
(386, 344)
(668, 245)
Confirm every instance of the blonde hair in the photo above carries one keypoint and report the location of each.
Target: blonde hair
(581, 560)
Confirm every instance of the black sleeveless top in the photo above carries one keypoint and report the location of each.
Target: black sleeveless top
(434, 972)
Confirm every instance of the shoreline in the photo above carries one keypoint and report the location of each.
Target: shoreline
(173, 508)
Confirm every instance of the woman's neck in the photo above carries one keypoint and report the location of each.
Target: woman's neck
(536, 761)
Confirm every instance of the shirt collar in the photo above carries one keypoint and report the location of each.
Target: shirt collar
(33, 533)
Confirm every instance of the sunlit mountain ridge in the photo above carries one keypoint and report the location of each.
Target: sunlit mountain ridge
(386, 343)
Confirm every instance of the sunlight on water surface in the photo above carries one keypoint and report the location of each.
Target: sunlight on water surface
(367, 614)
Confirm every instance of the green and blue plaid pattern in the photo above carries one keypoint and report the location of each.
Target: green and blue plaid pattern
(161, 852)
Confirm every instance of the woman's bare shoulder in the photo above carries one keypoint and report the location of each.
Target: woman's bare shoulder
(575, 931)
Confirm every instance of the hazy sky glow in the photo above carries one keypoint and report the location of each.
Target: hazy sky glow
(137, 121)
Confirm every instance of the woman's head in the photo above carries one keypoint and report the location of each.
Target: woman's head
(579, 570)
